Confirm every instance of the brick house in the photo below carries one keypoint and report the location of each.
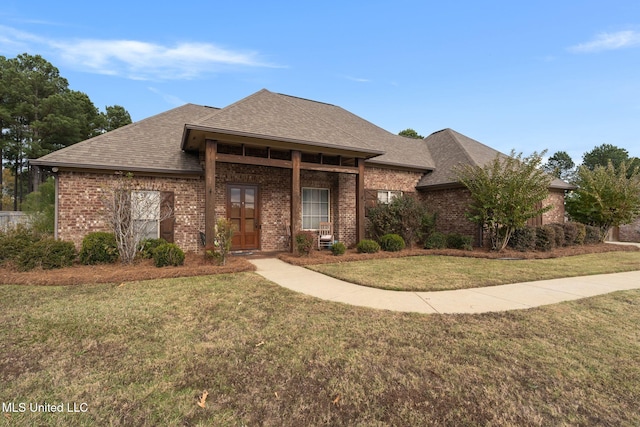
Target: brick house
(270, 163)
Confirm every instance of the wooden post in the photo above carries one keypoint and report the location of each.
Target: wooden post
(209, 190)
(296, 202)
(360, 201)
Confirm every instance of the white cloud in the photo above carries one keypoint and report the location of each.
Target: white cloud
(609, 41)
(358, 79)
(169, 99)
(134, 59)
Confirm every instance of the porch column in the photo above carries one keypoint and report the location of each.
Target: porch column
(209, 190)
(296, 202)
(360, 201)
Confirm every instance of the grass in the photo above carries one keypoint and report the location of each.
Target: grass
(141, 353)
(438, 273)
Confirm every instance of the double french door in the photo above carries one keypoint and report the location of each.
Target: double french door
(244, 214)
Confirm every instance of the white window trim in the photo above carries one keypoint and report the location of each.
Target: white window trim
(302, 207)
(389, 194)
(136, 215)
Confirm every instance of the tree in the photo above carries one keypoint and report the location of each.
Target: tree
(560, 165)
(506, 192)
(603, 154)
(606, 196)
(114, 117)
(129, 212)
(40, 205)
(410, 133)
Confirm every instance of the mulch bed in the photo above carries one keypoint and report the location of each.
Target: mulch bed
(194, 265)
(326, 257)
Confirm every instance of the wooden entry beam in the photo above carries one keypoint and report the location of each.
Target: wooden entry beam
(296, 196)
(360, 201)
(210, 190)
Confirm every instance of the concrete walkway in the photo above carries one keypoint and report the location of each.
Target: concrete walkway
(477, 300)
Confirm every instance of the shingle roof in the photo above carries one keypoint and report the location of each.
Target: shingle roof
(151, 145)
(277, 116)
(450, 149)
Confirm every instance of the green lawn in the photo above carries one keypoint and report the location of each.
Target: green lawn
(140, 354)
(438, 273)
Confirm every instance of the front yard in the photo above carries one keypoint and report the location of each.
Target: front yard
(438, 273)
(142, 353)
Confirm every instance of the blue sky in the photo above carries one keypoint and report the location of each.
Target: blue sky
(556, 75)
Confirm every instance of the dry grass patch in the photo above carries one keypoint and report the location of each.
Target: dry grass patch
(437, 273)
(141, 353)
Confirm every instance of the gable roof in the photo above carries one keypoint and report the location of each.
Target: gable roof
(275, 116)
(150, 145)
(450, 149)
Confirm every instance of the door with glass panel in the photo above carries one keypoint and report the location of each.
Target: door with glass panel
(243, 212)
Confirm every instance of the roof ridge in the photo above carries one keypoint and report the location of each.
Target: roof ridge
(230, 106)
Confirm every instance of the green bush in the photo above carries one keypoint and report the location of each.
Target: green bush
(559, 235)
(458, 241)
(436, 240)
(545, 238)
(147, 246)
(406, 216)
(168, 254)
(582, 233)
(304, 242)
(392, 243)
(367, 246)
(15, 240)
(592, 235)
(523, 239)
(47, 254)
(98, 248)
(338, 248)
(571, 234)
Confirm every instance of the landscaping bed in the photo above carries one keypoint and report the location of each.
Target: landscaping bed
(326, 257)
(143, 269)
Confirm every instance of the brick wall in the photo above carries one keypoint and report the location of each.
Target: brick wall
(390, 179)
(555, 215)
(450, 206)
(630, 232)
(81, 210)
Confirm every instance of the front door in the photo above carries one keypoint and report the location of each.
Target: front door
(244, 214)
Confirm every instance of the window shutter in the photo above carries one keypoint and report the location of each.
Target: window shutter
(167, 212)
(370, 198)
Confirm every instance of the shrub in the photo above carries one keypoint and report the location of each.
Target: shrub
(392, 243)
(458, 241)
(592, 235)
(436, 240)
(367, 246)
(223, 239)
(571, 234)
(99, 248)
(304, 242)
(523, 239)
(147, 246)
(545, 238)
(582, 233)
(14, 241)
(338, 248)
(168, 254)
(47, 254)
(405, 215)
(559, 235)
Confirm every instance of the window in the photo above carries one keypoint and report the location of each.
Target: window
(386, 196)
(315, 207)
(145, 212)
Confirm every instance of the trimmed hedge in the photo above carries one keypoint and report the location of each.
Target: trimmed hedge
(14, 241)
(523, 239)
(304, 242)
(436, 240)
(99, 248)
(338, 248)
(582, 233)
(168, 254)
(459, 241)
(47, 254)
(592, 235)
(545, 238)
(392, 242)
(559, 233)
(571, 234)
(147, 246)
(367, 246)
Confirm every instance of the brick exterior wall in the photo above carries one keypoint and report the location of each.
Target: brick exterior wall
(391, 179)
(630, 232)
(450, 206)
(557, 214)
(80, 210)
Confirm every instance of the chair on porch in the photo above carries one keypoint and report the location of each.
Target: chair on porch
(325, 235)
